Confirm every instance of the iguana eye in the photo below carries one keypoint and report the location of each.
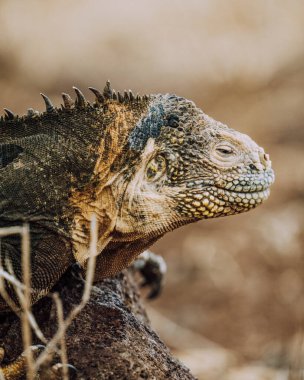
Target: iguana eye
(224, 150)
(156, 168)
(225, 153)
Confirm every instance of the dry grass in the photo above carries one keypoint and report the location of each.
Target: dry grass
(23, 290)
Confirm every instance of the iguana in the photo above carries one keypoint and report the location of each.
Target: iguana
(144, 165)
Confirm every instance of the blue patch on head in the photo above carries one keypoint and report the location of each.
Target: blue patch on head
(148, 126)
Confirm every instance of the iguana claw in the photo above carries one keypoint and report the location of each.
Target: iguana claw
(153, 268)
(56, 372)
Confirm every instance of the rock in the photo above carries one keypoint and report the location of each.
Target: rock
(110, 339)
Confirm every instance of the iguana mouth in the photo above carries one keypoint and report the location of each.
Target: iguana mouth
(240, 197)
(230, 196)
(247, 191)
(221, 202)
(222, 190)
(216, 201)
(253, 185)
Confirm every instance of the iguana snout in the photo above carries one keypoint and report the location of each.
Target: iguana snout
(235, 176)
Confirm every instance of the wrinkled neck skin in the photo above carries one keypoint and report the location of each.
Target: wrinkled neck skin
(120, 196)
(141, 216)
(103, 195)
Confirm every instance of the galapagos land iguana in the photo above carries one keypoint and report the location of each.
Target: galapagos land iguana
(144, 165)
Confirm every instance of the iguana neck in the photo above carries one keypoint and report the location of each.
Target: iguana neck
(97, 196)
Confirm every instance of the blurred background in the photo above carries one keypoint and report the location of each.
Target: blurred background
(233, 306)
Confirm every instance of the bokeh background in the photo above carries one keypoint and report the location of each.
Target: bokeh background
(233, 306)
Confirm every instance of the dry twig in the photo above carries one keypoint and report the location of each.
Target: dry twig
(51, 346)
(23, 291)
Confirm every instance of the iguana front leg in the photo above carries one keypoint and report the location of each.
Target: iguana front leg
(152, 268)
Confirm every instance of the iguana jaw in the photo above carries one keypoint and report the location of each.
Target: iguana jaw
(221, 197)
(213, 202)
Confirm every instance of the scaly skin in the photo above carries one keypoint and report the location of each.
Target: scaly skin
(144, 166)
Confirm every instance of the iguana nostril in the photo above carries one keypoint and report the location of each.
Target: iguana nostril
(265, 160)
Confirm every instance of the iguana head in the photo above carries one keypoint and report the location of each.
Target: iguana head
(182, 166)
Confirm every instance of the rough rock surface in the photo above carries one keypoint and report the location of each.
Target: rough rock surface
(110, 339)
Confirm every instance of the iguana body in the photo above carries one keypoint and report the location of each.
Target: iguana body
(143, 165)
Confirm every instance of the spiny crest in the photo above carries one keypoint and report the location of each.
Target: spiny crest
(67, 100)
(9, 115)
(81, 102)
(48, 104)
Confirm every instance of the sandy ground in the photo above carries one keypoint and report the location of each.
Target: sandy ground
(233, 304)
